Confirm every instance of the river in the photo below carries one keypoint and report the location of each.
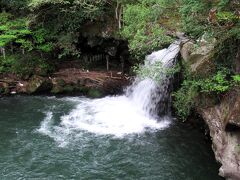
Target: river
(39, 142)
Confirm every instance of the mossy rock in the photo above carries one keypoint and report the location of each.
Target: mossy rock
(69, 88)
(62, 89)
(58, 86)
(39, 84)
(4, 89)
(94, 93)
(84, 90)
(57, 90)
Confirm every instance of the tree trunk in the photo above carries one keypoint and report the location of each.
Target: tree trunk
(116, 10)
(118, 14)
(3, 52)
(120, 17)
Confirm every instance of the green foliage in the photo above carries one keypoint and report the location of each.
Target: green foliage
(237, 148)
(89, 8)
(217, 17)
(14, 31)
(4, 17)
(194, 16)
(192, 86)
(7, 63)
(25, 65)
(5, 39)
(66, 43)
(226, 16)
(218, 83)
(236, 79)
(41, 42)
(141, 27)
(62, 19)
(184, 99)
(14, 5)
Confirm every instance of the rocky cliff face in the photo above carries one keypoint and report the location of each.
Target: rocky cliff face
(222, 118)
(223, 121)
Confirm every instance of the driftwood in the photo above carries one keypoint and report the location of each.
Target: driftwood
(90, 75)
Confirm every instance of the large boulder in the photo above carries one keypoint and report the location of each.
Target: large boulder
(186, 49)
(199, 56)
(38, 84)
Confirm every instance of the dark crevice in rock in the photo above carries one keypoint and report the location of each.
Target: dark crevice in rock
(232, 128)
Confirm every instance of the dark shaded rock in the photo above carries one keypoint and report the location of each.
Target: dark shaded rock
(60, 87)
(38, 84)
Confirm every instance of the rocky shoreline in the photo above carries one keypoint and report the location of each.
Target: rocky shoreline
(66, 81)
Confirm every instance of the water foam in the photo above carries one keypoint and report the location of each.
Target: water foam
(46, 124)
(132, 113)
(117, 116)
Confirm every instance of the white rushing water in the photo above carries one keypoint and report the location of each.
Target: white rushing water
(131, 113)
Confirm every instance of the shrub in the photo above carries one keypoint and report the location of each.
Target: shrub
(25, 65)
(236, 79)
(183, 100)
(141, 28)
(185, 97)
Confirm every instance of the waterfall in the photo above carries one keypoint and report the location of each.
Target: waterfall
(154, 96)
(132, 113)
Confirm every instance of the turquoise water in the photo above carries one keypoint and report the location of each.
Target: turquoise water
(38, 142)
